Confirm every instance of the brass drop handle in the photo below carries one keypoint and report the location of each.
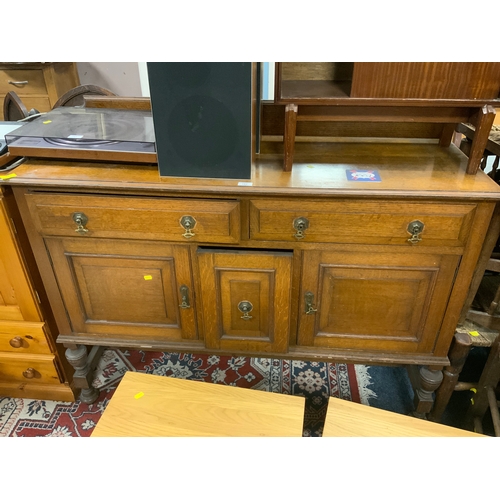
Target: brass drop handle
(188, 222)
(415, 228)
(245, 307)
(309, 299)
(80, 220)
(16, 342)
(184, 297)
(29, 373)
(300, 224)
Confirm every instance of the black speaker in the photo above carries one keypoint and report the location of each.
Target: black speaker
(204, 116)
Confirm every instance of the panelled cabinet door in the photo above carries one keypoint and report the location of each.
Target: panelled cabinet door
(375, 301)
(125, 288)
(246, 299)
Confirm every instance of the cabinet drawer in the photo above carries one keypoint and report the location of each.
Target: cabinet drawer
(39, 103)
(23, 336)
(28, 369)
(211, 221)
(24, 81)
(363, 222)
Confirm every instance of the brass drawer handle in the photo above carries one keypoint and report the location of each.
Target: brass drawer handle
(309, 299)
(188, 223)
(80, 220)
(185, 297)
(300, 224)
(16, 342)
(245, 307)
(30, 373)
(415, 228)
(19, 84)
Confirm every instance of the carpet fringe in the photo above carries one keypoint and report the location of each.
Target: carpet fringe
(364, 380)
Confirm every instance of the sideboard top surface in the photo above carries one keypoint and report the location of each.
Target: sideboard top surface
(417, 170)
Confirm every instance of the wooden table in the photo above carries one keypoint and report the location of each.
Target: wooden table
(155, 406)
(348, 419)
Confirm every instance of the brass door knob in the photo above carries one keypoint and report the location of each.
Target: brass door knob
(16, 342)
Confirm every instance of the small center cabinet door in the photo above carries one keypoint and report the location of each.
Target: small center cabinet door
(246, 299)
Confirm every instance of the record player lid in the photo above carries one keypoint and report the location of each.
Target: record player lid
(81, 124)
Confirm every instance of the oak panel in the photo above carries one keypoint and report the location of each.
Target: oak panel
(121, 289)
(387, 301)
(261, 278)
(361, 222)
(136, 218)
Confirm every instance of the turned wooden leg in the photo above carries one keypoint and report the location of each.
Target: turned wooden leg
(425, 381)
(483, 121)
(459, 350)
(289, 136)
(84, 366)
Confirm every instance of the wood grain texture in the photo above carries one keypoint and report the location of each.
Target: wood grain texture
(261, 278)
(13, 366)
(153, 406)
(370, 222)
(39, 85)
(416, 170)
(146, 218)
(124, 288)
(389, 302)
(424, 80)
(348, 419)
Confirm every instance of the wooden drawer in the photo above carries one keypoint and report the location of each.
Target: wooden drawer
(363, 222)
(28, 369)
(35, 82)
(23, 336)
(214, 221)
(38, 103)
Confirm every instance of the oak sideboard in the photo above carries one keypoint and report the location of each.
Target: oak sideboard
(364, 253)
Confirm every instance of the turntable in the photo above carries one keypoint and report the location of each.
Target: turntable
(87, 134)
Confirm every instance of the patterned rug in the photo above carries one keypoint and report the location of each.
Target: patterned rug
(315, 381)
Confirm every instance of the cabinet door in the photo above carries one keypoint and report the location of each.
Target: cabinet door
(17, 302)
(374, 301)
(246, 299)
(121, 289)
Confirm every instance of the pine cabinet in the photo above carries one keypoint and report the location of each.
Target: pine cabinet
(30, 364)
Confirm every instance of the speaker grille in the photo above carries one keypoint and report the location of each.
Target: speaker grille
(202, 114)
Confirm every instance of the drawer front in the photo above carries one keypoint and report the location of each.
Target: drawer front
(28, 369)
(39, 103)
(23, 337)
(363, 222)
(22, 81)
(209, 221)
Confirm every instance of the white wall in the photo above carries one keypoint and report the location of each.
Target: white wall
(123, 78)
